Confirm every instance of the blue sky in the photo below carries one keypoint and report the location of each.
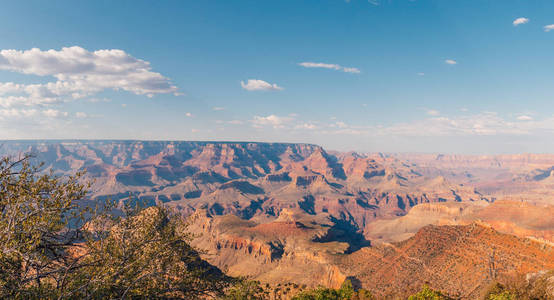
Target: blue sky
(391, 75)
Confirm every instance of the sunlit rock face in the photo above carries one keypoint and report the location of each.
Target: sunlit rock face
(297, 213)
(250, 180)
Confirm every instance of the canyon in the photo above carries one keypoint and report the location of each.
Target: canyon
(280, 212)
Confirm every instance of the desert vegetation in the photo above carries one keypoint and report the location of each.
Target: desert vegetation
(52, 245)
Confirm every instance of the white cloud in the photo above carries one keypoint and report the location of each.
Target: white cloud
(320, 65)
(433, 112)
(188, 115)
(450, 62)
(309, 126)
(329, 66)
(481, 124)
(421, 74)
(80, 115)
(271, 120)
(520, 21)
(32, 123)
(259, 85)
(351, 70)
(485, 123)
(524, 118)
(339, 124)
(236, 122)
(79, 73)
(17, 113)
(218, 108)
(96, 100)
(547, 28)
(341, 128)
(54, 113)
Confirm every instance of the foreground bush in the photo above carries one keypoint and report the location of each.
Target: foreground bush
(346, 292)
(52, 248)
(427, 293)
(246, 290)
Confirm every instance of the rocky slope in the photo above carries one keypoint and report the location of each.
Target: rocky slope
(297, 213)
(295, 248)
(527, 177)
(250, 180)
(461, 260)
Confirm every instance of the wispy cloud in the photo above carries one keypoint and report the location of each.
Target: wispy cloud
(480, 124)
(271, 120)
(17, 113)
(547, 28)
(485, 123)
(259, 85)
(81, 115)
(218, 108)
(450, 62)
(54, 113)
(34, 123)
(96, 100)
(309, 126)
(351, 70)
(339, 124)
(79, 73)
(520, 21)
(330, 66)
(524, 118)
(433, 112)
(189, 115)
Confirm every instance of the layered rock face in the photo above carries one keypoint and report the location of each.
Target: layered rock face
(295, 247)
(256, 181)
(527, 177)
(461, 260)
(249, 180)
(297, 213)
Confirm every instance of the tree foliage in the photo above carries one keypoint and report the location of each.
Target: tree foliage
(346, 292)
(427, 293)
(246, 290)
(54, 246)
(35, 211)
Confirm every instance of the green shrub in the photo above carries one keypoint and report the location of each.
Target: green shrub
(246, 290)
(346, 292)
(427, 293)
